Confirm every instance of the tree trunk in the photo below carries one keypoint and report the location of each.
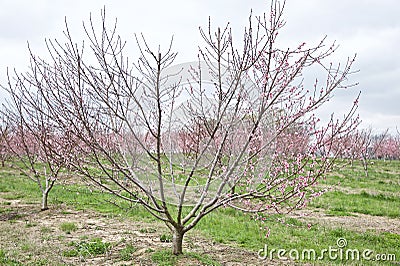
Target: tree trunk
(177, 241)
(44, 201)
(365, 164)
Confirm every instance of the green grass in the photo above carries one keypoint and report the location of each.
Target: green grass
(365, 203)
(378, 194)
(166, 258)
(229, 226)
(204, 259)
(15, 186)
(13, 196)
(292, 234)
(382, 176)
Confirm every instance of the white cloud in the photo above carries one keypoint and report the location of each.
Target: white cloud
(369, 28)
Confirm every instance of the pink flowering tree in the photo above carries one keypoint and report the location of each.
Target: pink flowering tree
(344, 147)
(388, 148)
(368, 145)
(363, 145)
(255, 138)
(190, 139)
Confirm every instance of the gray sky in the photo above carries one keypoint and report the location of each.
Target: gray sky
(370, 28)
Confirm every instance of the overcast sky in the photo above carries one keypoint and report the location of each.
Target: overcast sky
(370, 28)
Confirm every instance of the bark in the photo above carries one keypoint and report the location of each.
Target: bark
(365, 164)
(177, 241)
(44, 201)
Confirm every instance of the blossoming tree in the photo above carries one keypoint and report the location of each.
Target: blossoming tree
(133, 117)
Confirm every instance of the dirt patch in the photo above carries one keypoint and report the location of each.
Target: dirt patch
(9, 216)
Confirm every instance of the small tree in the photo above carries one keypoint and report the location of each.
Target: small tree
(41, 150)
(4, 151)
(125, 117)
(363, 145)
(368, 144)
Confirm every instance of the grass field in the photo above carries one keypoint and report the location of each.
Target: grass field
(357, 216)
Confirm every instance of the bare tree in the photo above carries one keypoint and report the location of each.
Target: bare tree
(41, 150)
(5, 153)
(126, 115)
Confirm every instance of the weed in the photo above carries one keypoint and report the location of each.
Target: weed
(87, 248)
(127, 252)
(147, 230)
(46, 238)
(68, 227)
(41, 262)
(26, 247)
(45, 230)
(30, 224)
(4, 260)
(84, 237)
(166, 238)
(70, 253)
